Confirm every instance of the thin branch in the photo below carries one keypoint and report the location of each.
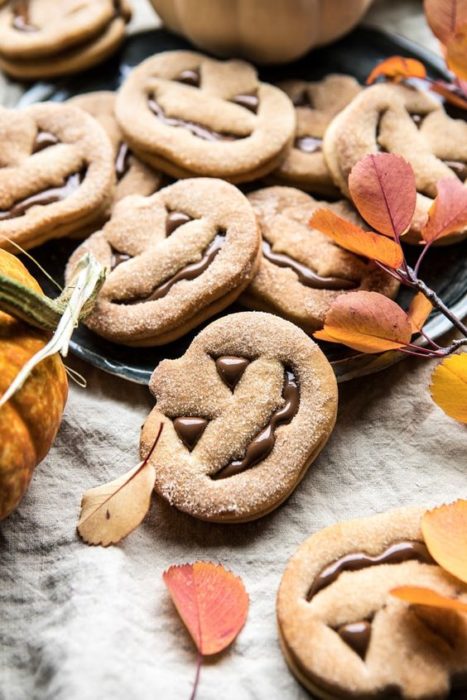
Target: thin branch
(426, 247)
(199, 662)
(419, 284)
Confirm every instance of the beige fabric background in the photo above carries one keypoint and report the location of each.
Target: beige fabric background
(80, 623)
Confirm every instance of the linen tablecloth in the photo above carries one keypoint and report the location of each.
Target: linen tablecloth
(83, 623)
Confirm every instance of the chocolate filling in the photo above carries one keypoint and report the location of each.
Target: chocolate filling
(308, 144)
(231, 368)
(21, 22)
(122, 161)
(396, 553)
(305, 275)
(189, 272)
(262, 445)
(356, 635)
(249, 100)
(44, 139)
(118, 258)
(44, 197)
(202, 132)
(417, 118)
(302, 99)
(174, 220)
(189, 429)
(190, 76)
(458, 167)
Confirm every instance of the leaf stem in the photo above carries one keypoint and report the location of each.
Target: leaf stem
(199, 662)
(426, 247)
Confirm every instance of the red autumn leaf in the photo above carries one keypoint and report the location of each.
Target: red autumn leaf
(419, 595)
(448, 213)
(452, 93)
(383, 189)
(445, 533)
(211, 601)
(456, 53)
(397, 68)
(366, 321)
(445, 17)
(419, 310)
(355, 239)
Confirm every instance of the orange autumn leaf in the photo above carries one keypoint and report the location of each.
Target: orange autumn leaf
(418, 312)
(448, 213)
(366, 321)
(445, 17)
(382, 186)
(456, 53)
(445, 534)
(419, 595)
(353, 238)
(397, 68)
(449, 386)
(211, 601)
(451, 93)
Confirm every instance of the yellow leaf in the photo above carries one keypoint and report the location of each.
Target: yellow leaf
(111, 511)
(445, 534)
(418, 595)
(419, 310)
(449, 386)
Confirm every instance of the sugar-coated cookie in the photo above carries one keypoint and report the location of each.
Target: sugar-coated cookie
(316, 103)
(50, 38)
(188, 114)
(403, 120)
(302, 271)
(57, 174)
(174, 259)
(345, 636)
(132, 175)
(246, 410)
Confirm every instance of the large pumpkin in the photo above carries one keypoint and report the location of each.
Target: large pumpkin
(266, 31)
(30, 420)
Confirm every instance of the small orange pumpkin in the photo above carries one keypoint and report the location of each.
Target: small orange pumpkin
(30, 419)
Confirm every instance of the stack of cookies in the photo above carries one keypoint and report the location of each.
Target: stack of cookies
(176, 256)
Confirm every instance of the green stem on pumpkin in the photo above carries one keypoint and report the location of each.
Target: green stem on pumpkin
(74, 304)
(42, 312)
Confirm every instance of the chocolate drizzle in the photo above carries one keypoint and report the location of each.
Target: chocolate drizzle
(44, 139)
(305, 275)
(249, 100)
(356, 635)
(174, 220)
(262, 445)
(122, 160)
(21, 22)
(202, 132)
(189, 429)
(189, 272)
(190, 76)
(396, 553)
(44, 197)
(458, 167)
(231, 368)
(308, 144)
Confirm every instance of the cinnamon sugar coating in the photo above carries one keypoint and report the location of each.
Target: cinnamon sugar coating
(132, 175)
(188, 114)
(283, 214)
(411, 652)
(218, 225)
(316, 104)
(403, 120)
(192, 386)
(57, 173)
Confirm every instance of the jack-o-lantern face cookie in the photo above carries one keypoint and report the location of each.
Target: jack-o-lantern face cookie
(345, 636)
(191, 115)
(46, 38)
(302, 271)
(316, 104)
(174, 259)
(132, 175)
(406, 121)
(246, 410)
(56, 174)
